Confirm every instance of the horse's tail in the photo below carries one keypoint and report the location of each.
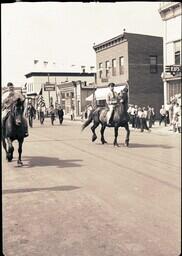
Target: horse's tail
(88, 121)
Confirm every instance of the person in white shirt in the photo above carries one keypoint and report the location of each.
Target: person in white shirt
(111, 100)
(163, 115)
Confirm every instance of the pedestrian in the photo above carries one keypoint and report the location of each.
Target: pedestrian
(30, 113)
(52, 113)
(133, 115)
(140, 115)
(163, 116)
(72, 114)
(145, 114)
(153, 116)
(60, 114)
(41, 114)
(150, 116)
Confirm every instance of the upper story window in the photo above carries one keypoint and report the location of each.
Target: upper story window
(177, 52)
(100, 69)
(121, 65)
(114, 67)
(107, 68)
(153, 64)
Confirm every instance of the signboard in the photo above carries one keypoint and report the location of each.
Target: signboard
(49, 87)
(174, 69)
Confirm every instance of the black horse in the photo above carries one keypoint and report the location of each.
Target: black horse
(120, 118)
(14, 129)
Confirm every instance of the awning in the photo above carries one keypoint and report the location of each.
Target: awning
(101, 93)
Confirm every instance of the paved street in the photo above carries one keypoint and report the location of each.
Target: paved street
(73, 197)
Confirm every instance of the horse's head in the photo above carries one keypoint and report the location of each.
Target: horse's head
(123, 96)
(17, 111)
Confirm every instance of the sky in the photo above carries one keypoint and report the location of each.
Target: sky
(64, 33)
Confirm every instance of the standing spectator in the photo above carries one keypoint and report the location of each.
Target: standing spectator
(153, 116)
(162, 115)
(60, 114)
(52, 114)
(145, 114)
(171, 108)
(129, 112)
(41, 114)
(30, 113)
(140, 116)
(137, 119)
(150, 116)
(133, 115)
(176, 114)
(178, 125)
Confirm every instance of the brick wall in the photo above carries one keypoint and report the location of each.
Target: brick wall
(146, 88)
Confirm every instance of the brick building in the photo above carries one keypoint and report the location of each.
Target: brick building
(136, 58)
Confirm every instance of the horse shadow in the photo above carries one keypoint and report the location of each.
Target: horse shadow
(41, 161)
(29, 190)
(137, 145)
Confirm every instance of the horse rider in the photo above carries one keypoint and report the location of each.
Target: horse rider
(10, 97)
(111, 100)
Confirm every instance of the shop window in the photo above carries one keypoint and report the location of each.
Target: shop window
(100, 70)
(177, 52)
(107, 68)
(114, 67)
(121, 65)
(153, 64)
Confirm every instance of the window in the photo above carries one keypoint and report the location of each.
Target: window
(63, 95)
(107, 68)
(121, 65)
(72, 94)
(177, 52)
(100, 70)
(153, 64)
(114, 67)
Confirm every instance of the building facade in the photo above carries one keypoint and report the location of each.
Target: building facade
(48, 83)
(73, 96)
(137, 59)
(171, 15)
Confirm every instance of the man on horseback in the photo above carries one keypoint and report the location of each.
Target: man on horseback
(111, 100)
(11, 97)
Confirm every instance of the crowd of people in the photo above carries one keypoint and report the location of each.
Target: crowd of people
(141, 117)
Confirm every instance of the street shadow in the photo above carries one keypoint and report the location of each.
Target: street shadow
(135, 145)
(35, 161)
(29, 190)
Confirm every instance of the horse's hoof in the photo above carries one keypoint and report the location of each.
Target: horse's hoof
(116, 144)
(19, 163)
(94, 138)
(126, 144)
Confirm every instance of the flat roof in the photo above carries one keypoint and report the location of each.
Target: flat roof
(83, 74)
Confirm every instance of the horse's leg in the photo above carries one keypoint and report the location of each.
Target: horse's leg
(116, 135)
(94, 136)
(20, 143)
(4, 145)
(127, 134)
(10, 150)
(102, 134)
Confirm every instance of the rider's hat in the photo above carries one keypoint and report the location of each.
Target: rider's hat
(9, 84)
(111, 84)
